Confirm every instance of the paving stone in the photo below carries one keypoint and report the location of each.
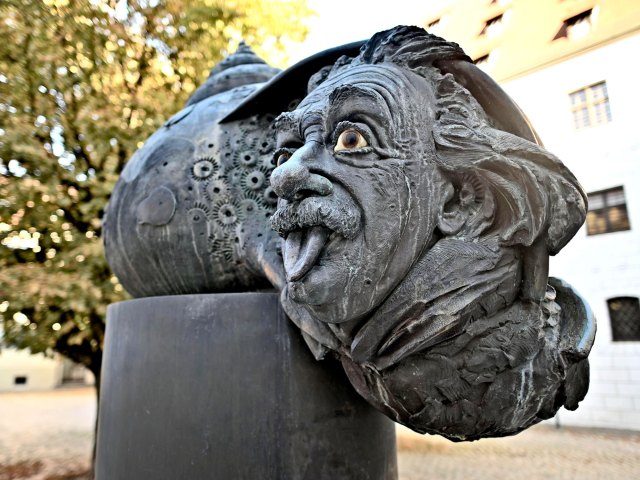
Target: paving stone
(542, 452)
(56, 428)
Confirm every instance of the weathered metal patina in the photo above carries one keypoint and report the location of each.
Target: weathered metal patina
(417, 210)
(417, 232)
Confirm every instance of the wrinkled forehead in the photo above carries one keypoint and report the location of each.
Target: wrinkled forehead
(387, 90)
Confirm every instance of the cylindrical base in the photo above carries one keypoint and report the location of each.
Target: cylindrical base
(223, 387)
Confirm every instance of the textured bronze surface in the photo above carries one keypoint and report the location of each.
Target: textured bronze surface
(222, 387)
(189, 212)
(417, 230)
(417, 210)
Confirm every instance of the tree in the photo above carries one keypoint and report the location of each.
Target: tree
(82, 84)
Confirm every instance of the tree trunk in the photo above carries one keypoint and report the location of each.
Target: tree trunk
(96, 374)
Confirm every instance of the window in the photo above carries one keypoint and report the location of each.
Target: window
(590, 106)
(482, 61)
(493, 26)
(607, 212)
(436, 26)
(624, 313)
(575, 27)
(433, 25)
(21, 380)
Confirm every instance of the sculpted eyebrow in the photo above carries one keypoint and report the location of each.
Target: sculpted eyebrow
(286, 120)
(350, 100)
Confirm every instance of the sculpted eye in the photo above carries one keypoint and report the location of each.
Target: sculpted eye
(281, 156)
(350, 139)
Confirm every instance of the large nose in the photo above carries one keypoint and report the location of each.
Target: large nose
(293, 180)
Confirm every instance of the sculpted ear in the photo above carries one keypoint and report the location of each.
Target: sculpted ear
(468, 208)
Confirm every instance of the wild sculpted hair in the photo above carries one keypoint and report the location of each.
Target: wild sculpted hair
(539, 196)
(474, 318)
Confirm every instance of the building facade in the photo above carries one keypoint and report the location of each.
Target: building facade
(20, 371)
(570, 65)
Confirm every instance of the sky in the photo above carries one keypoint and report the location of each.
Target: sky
(343, 21)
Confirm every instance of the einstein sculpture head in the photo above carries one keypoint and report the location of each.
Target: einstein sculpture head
(361, 192)
(418, 216)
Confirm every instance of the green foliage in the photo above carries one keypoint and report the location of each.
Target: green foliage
(82, 84)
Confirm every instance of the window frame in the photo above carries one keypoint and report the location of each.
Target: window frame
(617, 332)
(434, 24)
(567, 29)
(590, 105)
(606, 209)
(493, 26)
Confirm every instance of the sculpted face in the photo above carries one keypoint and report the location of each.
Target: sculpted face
(418, 214)
(359, 192)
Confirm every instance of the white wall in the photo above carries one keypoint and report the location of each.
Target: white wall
(599, 266)
(42, 373)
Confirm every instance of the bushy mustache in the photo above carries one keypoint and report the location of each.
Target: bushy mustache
(343, 218)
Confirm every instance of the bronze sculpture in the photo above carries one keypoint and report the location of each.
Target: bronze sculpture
(416, 241)
(418, 212)
(176, 219)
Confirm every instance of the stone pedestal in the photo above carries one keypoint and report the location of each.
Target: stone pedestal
(223, 387)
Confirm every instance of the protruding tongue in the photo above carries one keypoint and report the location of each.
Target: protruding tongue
(301, 253)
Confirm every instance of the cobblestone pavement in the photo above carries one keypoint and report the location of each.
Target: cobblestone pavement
(541, 452)
(48, 433)
(55, 429)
